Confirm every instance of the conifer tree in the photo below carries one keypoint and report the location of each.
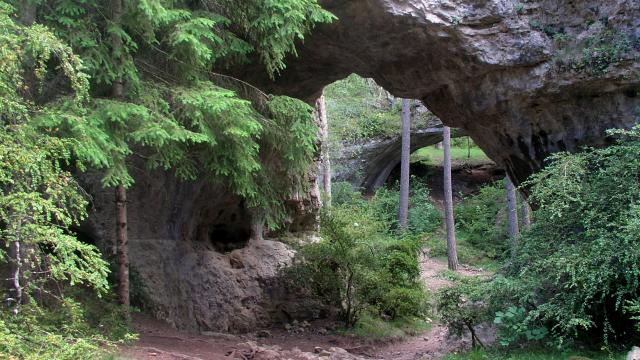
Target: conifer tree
(165, 101)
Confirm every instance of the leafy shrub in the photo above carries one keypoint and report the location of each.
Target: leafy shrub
(478, 220)
(342, 192)
(68, 330)
(462, 307)
(580, 263)
(359, 267)
(513, 327)
(423, 216)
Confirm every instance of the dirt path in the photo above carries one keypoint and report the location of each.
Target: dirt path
(159, 341)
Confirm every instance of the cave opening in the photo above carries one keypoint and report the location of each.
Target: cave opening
(228, 237)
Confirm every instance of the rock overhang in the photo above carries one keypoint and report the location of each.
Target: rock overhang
(494, 68)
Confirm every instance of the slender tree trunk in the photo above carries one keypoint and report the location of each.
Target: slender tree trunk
(452, 254)
(15, 269)
(468, 148)
(116, 43)
(512, 214)
(123, 251)
(403, 210)
(526, 215)
(257, 223)
(324, 151)
(121, 192)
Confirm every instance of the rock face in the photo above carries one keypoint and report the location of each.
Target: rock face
(523, 78)
(193, 263)
(367, 165)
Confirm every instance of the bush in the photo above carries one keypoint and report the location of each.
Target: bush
(463, 306)
(579, 265)
(359, 267)
(480, 221)
(342, 192)
(423, 216)
(67, 330)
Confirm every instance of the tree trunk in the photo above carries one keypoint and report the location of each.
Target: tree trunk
(403, 210)
(257, 223)
(526, 215)
(452, 254)
(324, 151)
(121, 192)
(512, 214)
(15, 257)
(468, 148)
(123, 251)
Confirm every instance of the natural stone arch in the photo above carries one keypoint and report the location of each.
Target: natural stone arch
(367, 165)
(486, 66)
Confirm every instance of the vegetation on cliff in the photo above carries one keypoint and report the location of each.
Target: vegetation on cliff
(92, 84)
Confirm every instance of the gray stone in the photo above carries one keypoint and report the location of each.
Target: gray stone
(481, 65)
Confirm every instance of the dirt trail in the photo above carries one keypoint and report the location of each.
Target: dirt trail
(159, 341)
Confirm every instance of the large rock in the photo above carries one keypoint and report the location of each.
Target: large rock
(509, 72)
(193, 261)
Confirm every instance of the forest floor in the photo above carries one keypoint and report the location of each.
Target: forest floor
(158, 340)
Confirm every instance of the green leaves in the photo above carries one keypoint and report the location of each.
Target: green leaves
(274, 26)
(579, 264)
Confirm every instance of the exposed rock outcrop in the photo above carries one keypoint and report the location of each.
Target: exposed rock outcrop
(523, 78)
(193, 262)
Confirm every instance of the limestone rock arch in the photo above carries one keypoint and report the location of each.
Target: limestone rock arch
(494, 68)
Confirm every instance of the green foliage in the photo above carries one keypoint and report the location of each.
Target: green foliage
(372, 327)
(39, 202)
(533, 354)
(423, 215)
(633, 308)
(360, 268)
(358, 109)
(513, 327)
(342, 192)
(274, 25)
(68, 330)
(478, 221)
(596, 53)
(580, 263)
(55, 118)
(459, 155)
(463, 306)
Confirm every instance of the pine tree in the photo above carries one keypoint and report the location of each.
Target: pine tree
(165, 101)
(39, 200)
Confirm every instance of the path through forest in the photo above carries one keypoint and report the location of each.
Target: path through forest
(159, 341)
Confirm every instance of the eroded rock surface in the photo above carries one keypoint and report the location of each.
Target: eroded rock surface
(523, 78)
(193, 261)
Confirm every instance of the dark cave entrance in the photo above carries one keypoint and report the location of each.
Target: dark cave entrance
(228, 237)
(224, 226)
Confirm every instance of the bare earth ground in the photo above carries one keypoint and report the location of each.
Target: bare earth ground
(159, 341)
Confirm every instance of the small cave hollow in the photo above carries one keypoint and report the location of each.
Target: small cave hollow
(224, 227)
(228, 237)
